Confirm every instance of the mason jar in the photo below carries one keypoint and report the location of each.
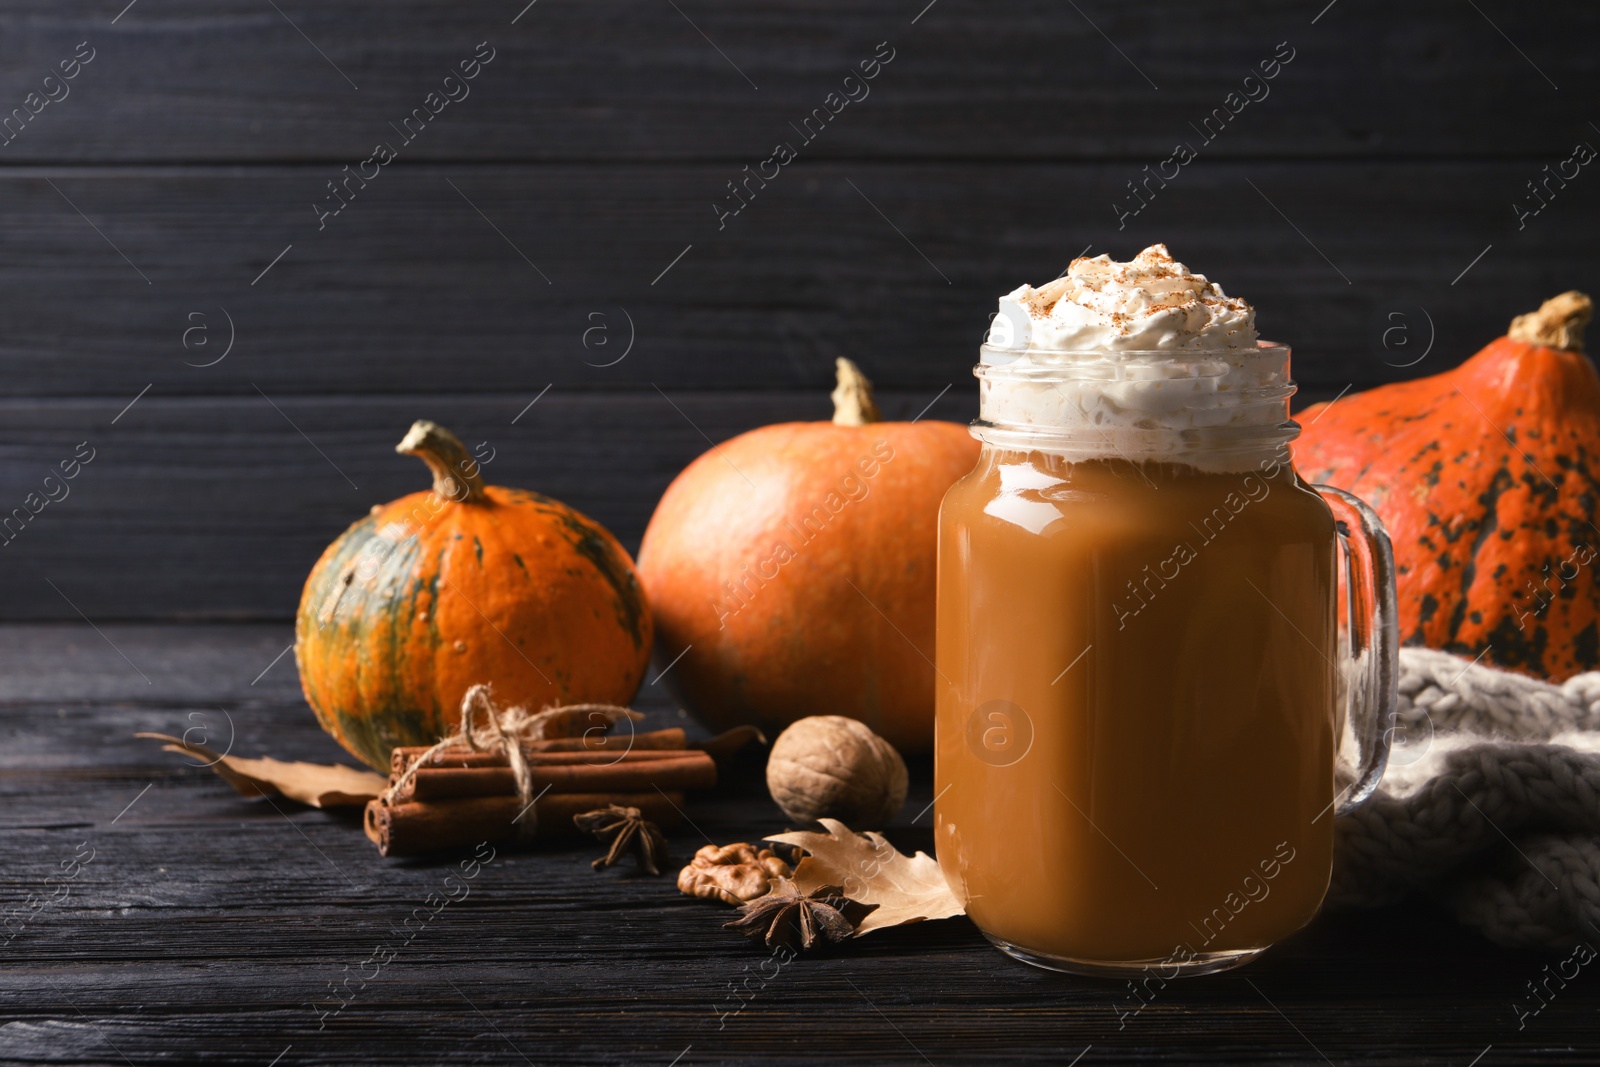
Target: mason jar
(1144, 697)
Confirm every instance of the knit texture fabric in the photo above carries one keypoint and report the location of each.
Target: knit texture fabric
(1490, 804)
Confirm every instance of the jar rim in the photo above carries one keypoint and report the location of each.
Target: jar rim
(1139, 446)
(1059, 358)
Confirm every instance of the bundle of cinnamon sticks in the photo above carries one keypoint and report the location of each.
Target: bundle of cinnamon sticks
(460, 797)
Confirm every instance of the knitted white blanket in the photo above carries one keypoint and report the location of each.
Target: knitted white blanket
(1490, 805)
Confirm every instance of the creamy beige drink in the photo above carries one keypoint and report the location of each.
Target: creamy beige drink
(1136, 634)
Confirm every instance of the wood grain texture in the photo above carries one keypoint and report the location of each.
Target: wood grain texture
(211, 499)
(208, 927)
(236, 81)
(217, 507)
(411, 290)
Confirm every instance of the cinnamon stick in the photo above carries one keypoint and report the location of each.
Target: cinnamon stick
(676, 771)
(729, 742)
(420, 827)
(403, 758)
(669, 738)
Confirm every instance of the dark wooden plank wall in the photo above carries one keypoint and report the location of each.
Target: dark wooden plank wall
(139, 211)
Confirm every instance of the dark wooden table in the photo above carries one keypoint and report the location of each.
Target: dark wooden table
(1372, 208)
(210, 928)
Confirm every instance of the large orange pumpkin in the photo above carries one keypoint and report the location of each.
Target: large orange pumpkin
(469, 583)
(792, 568)
(1482, 475)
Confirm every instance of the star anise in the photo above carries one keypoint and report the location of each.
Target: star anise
(627, 830)
(788, 917)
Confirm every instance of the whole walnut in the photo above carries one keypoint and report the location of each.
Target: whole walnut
(830, 766)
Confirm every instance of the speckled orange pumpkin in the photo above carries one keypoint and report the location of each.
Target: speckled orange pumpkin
(1482, 475)
(469, 583)
(793, 569)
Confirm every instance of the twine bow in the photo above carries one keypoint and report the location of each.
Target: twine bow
(507, 732)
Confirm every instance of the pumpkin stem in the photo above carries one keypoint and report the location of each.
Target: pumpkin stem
(852, 397)
(1558, 323)
(456, 475)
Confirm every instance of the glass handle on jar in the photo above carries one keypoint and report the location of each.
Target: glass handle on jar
(1371, 669)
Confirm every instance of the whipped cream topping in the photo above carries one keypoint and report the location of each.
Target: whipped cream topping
(1143, 359)
(1152, 302)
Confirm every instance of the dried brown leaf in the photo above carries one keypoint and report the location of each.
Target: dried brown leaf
(906, 889)
(321, 785)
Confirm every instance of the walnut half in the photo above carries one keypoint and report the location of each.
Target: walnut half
(731, 873)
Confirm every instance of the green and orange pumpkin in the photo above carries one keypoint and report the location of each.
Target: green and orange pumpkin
(438, 591)
(1486, 477)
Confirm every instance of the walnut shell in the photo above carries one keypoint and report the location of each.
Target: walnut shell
(830, 766)
(731, 873)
